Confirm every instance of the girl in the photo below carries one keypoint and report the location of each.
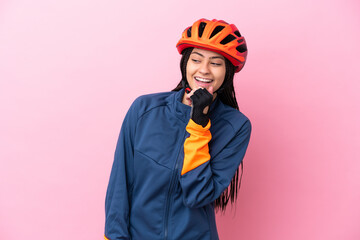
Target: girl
(179, 151)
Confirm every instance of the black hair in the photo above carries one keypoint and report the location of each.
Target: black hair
(226, 94)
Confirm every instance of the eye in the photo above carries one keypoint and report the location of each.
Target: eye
(195, 60)
(216, 64)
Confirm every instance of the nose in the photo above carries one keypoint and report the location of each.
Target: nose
(204, 68)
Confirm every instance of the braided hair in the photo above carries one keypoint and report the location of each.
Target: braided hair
(226, 93)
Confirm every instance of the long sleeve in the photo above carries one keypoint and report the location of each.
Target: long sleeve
(120, 183)
(204, 177)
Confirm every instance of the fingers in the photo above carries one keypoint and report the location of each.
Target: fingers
(200, 95)
(203, 93)
(190, 93)
(210, 90)
(201, 100)
(195, 96)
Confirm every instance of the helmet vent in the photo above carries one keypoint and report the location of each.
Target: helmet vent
(189, 32)
(201, 28)
(242, 48)
(228, 39)
(216, 30)
(237, 33)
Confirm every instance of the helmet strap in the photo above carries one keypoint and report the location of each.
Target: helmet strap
(186, 85)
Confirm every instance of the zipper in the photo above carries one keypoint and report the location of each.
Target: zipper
(167, 206)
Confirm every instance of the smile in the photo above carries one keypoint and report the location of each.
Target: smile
(204, 80)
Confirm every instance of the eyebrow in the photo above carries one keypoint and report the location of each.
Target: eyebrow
(221, 57)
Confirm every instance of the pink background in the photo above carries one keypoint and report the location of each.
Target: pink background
(69, 71)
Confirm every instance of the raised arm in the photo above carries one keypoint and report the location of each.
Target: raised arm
(204, 177)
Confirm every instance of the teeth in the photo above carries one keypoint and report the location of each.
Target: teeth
(203, 80)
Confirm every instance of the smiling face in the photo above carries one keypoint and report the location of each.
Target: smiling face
(204, 69)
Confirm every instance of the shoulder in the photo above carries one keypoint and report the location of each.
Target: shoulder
(230, 129)
(147, 102)
(233, 118)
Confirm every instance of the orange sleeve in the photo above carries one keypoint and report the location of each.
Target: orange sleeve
(196, 148)
(105, 238)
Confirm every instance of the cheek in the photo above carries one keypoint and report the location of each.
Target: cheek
(221, 77)
(189, 72)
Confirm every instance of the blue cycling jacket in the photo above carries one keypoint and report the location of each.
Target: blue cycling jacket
(153, 193)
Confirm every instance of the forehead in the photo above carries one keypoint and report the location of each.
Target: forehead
(207, 53)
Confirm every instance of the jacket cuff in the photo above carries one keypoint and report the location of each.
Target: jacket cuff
(193, 126)
(196, 148)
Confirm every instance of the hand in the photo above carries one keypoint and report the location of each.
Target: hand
(201, 100)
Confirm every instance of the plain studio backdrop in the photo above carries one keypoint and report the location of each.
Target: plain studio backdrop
(69, 71)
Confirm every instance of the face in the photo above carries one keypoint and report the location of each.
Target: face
(204, 69)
